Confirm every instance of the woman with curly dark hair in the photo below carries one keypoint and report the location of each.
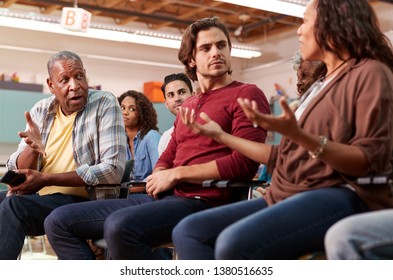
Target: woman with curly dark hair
(140, 121)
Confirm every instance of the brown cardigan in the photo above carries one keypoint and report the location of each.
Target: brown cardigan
(354, 108)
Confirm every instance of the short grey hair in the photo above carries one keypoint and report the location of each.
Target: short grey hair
(62, 55)
(297, 60)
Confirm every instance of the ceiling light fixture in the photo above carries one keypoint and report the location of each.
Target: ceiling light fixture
(293, 8)
(35, 22)
(96, 57)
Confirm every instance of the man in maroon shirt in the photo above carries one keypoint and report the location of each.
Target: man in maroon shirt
(133, 226)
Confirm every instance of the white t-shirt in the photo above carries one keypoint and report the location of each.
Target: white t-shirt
(311, 93)
(164, 140)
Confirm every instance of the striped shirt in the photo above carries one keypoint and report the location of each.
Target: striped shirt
(98, 137)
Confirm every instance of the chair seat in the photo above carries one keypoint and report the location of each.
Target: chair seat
(101, 243)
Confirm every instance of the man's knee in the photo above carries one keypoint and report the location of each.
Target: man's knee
(56, 219)
(113, 227)
(121, 224)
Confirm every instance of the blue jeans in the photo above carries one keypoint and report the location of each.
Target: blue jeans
(22, 215)
(131, 227)
(363, 236)
(252, 230)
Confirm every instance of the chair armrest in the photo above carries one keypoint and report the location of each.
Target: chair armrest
(106, 191)
(242, 190)
(375, 179)
(235, 183)
(136, 187)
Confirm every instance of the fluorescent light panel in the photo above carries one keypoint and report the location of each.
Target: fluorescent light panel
(104, 33)
(96, 57)
(293, 8)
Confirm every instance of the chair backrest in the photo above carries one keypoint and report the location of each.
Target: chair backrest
(127, 171)
(109, 191)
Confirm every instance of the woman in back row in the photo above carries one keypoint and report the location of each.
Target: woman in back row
(140, 121)
(340, 131)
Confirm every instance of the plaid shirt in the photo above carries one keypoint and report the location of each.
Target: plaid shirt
(98, 137)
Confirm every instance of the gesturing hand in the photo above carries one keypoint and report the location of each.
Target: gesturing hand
(284, 124)
(32, 136)
(210, 128)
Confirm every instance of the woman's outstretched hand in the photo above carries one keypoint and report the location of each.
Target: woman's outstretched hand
(285, 124)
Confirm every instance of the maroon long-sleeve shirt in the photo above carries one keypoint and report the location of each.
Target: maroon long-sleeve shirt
(187, 148)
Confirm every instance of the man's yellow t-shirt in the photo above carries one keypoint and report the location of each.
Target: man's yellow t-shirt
(59, 154)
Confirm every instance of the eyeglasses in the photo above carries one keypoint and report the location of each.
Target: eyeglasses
(132, 109)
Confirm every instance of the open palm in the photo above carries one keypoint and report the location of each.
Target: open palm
(210, 128)
(285, 124)
(32, 135)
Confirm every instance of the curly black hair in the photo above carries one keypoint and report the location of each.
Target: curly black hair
(352, 26)
(147, 115)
